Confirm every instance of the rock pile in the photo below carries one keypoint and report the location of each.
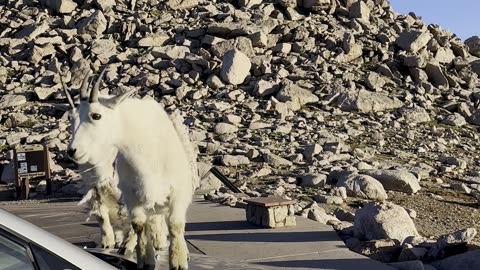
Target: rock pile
(339, 101)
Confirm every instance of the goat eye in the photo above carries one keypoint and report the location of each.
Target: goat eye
(96, 116)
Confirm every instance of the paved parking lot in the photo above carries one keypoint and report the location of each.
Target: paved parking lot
(63, 218)
(220, 232)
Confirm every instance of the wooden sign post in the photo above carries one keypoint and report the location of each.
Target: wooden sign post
(31, 162)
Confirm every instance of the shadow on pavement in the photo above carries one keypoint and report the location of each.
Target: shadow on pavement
(344, 264)
(268, 237)
(220, 225)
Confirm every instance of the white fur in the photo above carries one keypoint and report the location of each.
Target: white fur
(105, 203)
(155, 169)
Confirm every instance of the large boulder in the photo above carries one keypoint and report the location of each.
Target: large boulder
(365, 101)
(415, 115)
(10, 101)
(473, 44)
(296, 95)
(61, 6)
(95, 24)
(363, 186)
(466, 261)
(396, 180)
(383, 221)
(413, 41)
(235, 67)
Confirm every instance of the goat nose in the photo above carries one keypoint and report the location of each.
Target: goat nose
(71, 152)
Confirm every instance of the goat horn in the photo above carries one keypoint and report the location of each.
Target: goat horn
(65, 89)
(96, 87)
(84, 87)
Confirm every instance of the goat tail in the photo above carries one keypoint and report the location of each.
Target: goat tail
(189, 147)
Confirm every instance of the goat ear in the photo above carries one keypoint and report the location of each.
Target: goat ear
(116, 100)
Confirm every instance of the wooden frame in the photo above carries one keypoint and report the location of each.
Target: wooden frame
(31, 162)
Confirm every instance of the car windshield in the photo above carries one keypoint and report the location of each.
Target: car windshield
(13, 256)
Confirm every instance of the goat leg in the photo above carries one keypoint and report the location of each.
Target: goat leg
(108, 236)
(159, 231)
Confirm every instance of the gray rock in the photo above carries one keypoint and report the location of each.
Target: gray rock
(39, 52)
(288, 3)
(360, 10)
(461, 237)
(365, 101)
(397, 180)
(418, 75)
(345, 215)
(182, 4)
(215, 82)
(466, 261)
(208, 181)
(61, 6)
(16, 120)
(71, 189)
(444, 56)
(154, 40)
(44, 93)
(282, 47)
(225, 128)
(229, 160)
(459, 162)
(416, 60)
(473, 44)
(10, 101)
(31, 31)
(293, 14)
(95, 24)
(105, 5)
(412, 213)
(276, 161)
(436, 74)
(295, 95)
(235, 67)
(317, 180)
(408, 265)
(14, 138)
(171, 52)
(383, 221)
(8, 173)
(328, 199)
(415, 115)
(352, 49)
(314, 4)
(312, 150)
(375, 81)
(363, 186)
(474, 119)
(455, 120)
(265, 88)
(232, 119)
(41, 187)
(259, 39)
(318, 214)
(339, 192)
(413, 41)
(104, 49)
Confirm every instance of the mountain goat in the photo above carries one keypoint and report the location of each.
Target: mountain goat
(154, 168)
(104, 197)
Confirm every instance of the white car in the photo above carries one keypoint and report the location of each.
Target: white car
(24, 246)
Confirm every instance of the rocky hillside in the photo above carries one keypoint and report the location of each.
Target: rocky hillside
(342, 102)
